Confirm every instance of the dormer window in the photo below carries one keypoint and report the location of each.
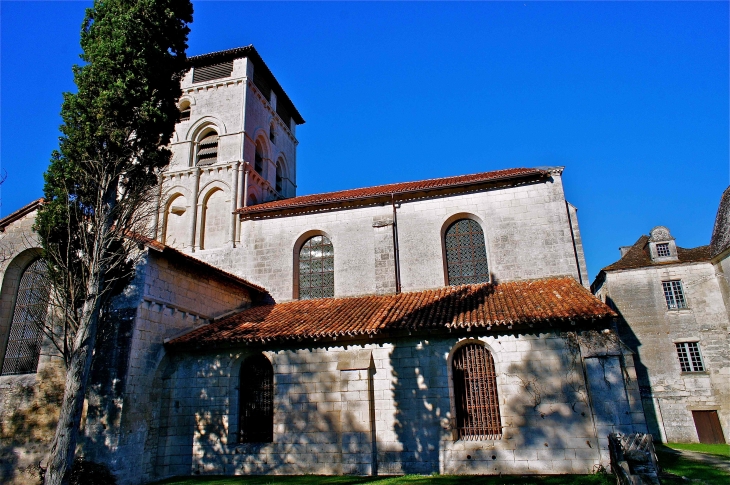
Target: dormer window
(662, 247)
(662, 250)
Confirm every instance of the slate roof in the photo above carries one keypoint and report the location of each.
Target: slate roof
(401, 188)
(638, 256)
(721, 233)
(521, 303)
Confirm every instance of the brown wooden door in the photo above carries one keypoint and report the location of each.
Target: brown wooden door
(708, 427)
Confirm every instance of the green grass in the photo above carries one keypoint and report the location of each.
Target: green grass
(404, 480)
(678, 466)
(721, 450)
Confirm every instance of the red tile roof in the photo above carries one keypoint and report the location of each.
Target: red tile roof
(455, 307)
(638, 256)
(379, 191)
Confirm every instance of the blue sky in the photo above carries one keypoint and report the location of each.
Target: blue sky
(632, 98)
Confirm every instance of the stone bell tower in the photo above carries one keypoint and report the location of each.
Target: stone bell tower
(234, 146)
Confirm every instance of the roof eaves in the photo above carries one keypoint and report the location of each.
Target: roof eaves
(20, 213)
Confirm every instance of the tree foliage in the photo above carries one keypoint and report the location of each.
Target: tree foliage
(100, 182)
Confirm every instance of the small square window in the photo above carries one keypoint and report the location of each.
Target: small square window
(690, 359)
(662, 250)
(674, 294)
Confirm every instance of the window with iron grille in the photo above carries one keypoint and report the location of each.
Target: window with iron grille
(690, 359)
(662, 250)
(256, 394)
(207, 153)
(316, 269)
(215, 71)
(466, 255)
(674, 294)
(475, 391)
(31, 305)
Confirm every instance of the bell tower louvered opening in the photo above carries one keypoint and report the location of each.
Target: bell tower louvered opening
(215, 71)
(207, 151)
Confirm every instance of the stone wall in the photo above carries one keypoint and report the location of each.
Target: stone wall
(522, 226)
(652, 330)
(327, 410)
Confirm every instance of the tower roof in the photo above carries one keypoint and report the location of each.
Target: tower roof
(260, 68)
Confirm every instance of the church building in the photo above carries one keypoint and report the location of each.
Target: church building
(436, 326)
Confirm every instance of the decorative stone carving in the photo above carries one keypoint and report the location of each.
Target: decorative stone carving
(660, 233)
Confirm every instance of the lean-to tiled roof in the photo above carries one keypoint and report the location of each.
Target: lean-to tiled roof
(638, 256)
(488, 306)
(397, 189)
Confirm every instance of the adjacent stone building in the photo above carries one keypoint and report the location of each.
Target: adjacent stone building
(674, 315)
(443, 325)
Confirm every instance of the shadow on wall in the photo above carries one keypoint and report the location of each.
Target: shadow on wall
(28, 422)
(627, 335)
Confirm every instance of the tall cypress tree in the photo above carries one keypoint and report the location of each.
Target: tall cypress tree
(99, 185)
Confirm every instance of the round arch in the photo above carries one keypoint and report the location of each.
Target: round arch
(448, 222)
(214, 221)
(296, 249)
(197, 128)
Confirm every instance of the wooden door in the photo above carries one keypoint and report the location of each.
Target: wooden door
(708, 427)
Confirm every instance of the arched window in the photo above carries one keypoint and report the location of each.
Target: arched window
(316, 269)
(272, 133)
(256, 395)
(207, 153)
(475, 391)
(185, 111)
(259, 159)
(466, 255)
(31, 305)
(279, 177)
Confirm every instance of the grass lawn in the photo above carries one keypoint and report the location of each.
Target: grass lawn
(676, 466)
(405, 480)
(722, 449)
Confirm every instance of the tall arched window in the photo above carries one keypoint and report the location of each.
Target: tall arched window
(279, 177)
(259, 159)
(185, 111)
(475, 391)
(466, 255)
(256, 395)
(207, 153)
(31, 305)
(316, 269)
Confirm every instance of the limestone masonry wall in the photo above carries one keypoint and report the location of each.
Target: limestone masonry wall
(324, 418)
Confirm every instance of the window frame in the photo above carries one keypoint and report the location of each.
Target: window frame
(204, 134)
(302, 240)
(448, 223)
(674, 295)
(663, 248)
(243, 379)
(38, 337)
(496, 421)
(689, 356)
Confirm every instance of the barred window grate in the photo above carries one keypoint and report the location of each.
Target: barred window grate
(662, 250)
(208, 149)
(690, 359)
(256, 391)
(466, 255)
(31, 305)
(209, 73)
(316, 269)
(674, 295)
(475, 390)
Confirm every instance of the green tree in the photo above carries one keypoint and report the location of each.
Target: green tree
(100, 183)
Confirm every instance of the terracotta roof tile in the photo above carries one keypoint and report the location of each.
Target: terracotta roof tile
(485, 305)
(365, 193)
(638, 256)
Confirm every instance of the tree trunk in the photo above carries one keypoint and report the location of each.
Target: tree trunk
(64, 442)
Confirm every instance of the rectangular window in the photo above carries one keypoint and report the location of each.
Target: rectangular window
(216, 71)
(674, 294)
(662, 250)
(690, 359)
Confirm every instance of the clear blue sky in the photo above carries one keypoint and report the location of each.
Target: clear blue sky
(632, 98)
